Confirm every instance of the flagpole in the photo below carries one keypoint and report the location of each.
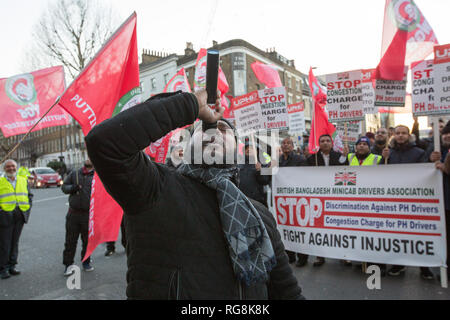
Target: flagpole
(29, 131)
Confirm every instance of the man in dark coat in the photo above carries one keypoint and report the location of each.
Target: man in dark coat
(289, 158)
(191, 233)
(78, 185)
(251, 180)
(404, 150)
(326, 156)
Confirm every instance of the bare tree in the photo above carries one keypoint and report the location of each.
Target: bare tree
(70, 32)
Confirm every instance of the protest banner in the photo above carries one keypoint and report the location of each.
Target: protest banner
(296, 114)
(247, 113)
(274, 108)
(423, 91)
(368, 91)
(344, 96)
(349, 131)
(25, 98)
(442, 78)
(391, 93)
(382, 214)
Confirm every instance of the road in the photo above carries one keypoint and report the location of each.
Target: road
(42, 244)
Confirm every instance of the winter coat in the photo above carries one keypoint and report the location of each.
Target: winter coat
(407, 153)
(252, 182)
(176, 248)
(79, 200)
(293, 160)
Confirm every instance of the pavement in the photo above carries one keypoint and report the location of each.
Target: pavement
(40, 260)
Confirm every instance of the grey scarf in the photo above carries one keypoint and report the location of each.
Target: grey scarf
(249, 245)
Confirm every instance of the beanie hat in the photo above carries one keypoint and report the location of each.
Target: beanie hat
(363, 139)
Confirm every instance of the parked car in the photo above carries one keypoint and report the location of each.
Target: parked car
(44, 177)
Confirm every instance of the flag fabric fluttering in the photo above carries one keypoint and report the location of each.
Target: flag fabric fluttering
(319, 124)
(158, 150)
(407, 37)
(266, 74)
(108, 85)
(25, 98)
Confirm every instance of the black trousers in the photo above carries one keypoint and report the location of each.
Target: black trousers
(9, 239)
(77, 224)
(111, 245)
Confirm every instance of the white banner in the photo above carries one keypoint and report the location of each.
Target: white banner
(390, 214)
(296, 114)
(353, 131)
(390, 93)
(344, 96)
(274, 108)
(247, 113)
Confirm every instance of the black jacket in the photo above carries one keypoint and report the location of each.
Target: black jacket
(293, 160)
(175, 244)
(78, 200)
(407, 153)
(252, 182)
(335, 159)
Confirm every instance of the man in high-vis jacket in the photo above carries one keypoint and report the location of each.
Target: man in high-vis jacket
(15, 204)
(363, 156)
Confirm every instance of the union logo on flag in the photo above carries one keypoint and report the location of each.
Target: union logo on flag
(345, 178)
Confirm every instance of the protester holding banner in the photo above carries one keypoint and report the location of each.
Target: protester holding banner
(182, 242)
(326, 156)
(15, 206)
(251, 181)
(381, 141)
(78, 185)
(444, 165)
(404, 150)
(288, 158)
(363, 156)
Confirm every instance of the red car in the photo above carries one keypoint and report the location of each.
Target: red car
(45, 177)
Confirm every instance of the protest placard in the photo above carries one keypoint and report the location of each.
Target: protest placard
(296, 114)
(274, 108)
(442, 78)
(247, 113)
(383, 214)
(368, 92)
(350, 134)
(391, 93)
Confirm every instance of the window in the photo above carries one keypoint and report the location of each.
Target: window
(290, 98)
(297, 85)
(166, 78)
(298, 99)
(289, 79)
(141, 84)
(153, 81)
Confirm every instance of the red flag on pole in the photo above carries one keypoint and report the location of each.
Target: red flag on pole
(25, 98)
(319, 124)
(108, 85)
(407, 37)
(178, 82)
(266, 74)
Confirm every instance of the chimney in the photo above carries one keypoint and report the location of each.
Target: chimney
(150, 56)
(189, 49)
(215, 43)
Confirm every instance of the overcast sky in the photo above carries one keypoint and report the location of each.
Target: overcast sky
(332, 35)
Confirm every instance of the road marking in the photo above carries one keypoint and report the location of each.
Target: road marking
(41, 200)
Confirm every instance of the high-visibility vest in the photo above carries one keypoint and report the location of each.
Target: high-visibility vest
(24, 172)
(9, 197)
(267, 157)
(371, 160)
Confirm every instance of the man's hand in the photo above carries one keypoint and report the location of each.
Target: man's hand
(385, 153)
(258, 166)
(435, 156)
(345, 150)
(205, 113)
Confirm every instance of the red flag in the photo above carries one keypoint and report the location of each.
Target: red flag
(178, 82)
(25, 98)
(108, 85)
(407, 37)
(266, 74)
(319, 124)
